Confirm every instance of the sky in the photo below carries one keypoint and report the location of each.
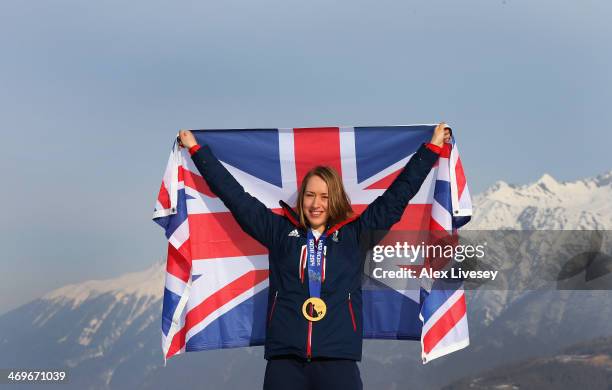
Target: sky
(93, 93)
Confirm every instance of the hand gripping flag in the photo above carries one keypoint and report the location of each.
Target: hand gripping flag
(215, 292)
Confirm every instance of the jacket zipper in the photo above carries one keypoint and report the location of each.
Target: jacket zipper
(309, 342)
(350, 305)
(272, 309)
(309, 339)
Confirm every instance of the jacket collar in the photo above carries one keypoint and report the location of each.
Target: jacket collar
(290, 213)
(295, 219)
(337, 226)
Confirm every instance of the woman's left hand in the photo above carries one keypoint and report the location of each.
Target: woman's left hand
(441, 134)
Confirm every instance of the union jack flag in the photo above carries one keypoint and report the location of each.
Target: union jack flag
(215, 293)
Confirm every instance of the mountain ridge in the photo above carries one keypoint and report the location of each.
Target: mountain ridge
(546, 204)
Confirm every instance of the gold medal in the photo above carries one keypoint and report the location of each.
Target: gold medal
(314, 309)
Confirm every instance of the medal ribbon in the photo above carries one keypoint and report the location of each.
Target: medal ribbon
(315, 257)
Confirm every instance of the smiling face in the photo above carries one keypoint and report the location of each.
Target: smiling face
(315, 203)
(322, 200)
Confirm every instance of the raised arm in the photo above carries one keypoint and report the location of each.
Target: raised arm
(253, 216)
(387, 209)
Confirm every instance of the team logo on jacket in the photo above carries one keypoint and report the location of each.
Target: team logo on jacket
(335, 236)
(294, 233)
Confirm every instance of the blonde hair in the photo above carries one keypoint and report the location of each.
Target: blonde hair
(338, 203)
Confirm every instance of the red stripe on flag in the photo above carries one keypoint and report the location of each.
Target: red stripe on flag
(444, 324)
(385, 182)
(163, 197)
(178, 264)
(460, 175)
(316, 146)
(178, 341)
(217, 235)
(196, 182)
(415, 217)
(223, 296)
(434, 225)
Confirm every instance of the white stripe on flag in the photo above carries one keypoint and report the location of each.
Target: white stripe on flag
(443, 172)
(456, 339)
(287, 165)
(459, 210)
(180, 235)
(174, 284)
(178, 320)
(441, 215)
(244, 263)
(441, 311)
(347, 158)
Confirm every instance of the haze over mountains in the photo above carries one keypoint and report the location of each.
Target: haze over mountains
(108, 332)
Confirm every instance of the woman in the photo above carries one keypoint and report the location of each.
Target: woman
(314, 330)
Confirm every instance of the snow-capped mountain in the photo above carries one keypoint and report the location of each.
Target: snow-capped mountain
(96, 329)
(546, 205)
(139, 291)
(108, 332)
(143, 284)
(530, 261)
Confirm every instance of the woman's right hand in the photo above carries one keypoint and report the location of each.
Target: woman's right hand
(441, 135)
(187, 139)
